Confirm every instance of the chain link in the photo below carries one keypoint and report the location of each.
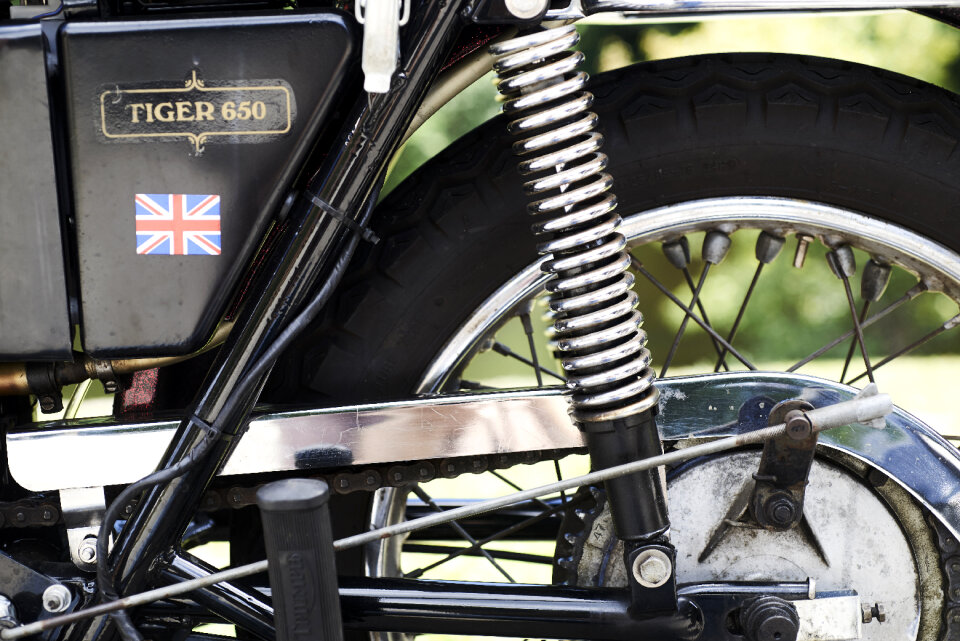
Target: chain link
(42, 511)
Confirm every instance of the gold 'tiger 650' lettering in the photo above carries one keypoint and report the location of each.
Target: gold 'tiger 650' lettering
(189, 111)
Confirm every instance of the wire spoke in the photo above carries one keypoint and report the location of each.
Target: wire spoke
(910, 294)
(426, 498)
(528, 330)
(503, 350)
(513, 529)
(722, 361)
(703, 314)
(563, 494)
(853, 344)
(424, 548)
(950, 324)
(503, 478)
(686, 318)
(638, 266)
(857, 328)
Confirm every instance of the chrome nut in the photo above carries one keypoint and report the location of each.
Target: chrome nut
(652, 568)
(56, 598)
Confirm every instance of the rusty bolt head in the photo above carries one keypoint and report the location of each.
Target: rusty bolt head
(866, 613)
(780, 509)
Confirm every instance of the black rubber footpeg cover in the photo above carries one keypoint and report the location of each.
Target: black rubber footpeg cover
(303, 576)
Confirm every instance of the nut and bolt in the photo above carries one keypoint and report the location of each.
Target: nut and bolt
(652, 568)
(87, 552)
(871, 612)
(56, 598)
(780, 509)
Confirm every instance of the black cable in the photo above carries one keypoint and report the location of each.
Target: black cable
(249, 379)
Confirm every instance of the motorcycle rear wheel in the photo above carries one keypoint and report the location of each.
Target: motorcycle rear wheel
(874, 150)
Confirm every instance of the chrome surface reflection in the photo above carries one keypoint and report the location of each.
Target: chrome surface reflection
(45, 457)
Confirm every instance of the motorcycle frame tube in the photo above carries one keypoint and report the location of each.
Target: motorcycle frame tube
(309, 246)
(463, 608)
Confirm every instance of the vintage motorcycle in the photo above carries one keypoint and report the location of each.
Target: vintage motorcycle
(192, 186)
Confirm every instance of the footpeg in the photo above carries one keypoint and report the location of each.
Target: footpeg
(303, 576)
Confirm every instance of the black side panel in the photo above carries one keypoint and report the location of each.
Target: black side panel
(184, 135)
(33, 299)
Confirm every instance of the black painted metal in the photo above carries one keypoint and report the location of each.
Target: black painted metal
(305, 252)
(163, 113)
(638, 501)
(235, 603)
(400, 605)
(24, 587)
(34, 323)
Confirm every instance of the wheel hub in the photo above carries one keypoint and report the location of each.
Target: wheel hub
(853, 541)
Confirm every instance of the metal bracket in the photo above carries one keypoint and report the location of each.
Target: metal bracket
(83, 510)
(776, 502)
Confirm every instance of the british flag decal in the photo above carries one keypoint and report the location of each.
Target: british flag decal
(178, 224)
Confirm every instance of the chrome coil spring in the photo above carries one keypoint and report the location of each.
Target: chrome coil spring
(597, 326)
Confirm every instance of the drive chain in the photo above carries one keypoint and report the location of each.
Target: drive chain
(44, 510)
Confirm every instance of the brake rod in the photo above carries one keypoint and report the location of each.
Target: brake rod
(868, 407)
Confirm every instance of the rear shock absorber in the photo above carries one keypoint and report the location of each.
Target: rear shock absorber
(603, 349)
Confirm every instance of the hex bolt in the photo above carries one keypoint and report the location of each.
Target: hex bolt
(803, 244)
(716, 244)
(842, 262)
(876, 277)
(87, 551)
(780, 509)
(677, 252)
(56, 598)
(768, 247)
(866, 613)
(652, 568)
(525, 9)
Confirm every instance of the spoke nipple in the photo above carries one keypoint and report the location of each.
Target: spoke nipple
(677, 252)
(842, 262)
(768, 247)
(803, 243)
(716, 244)
(876, 277)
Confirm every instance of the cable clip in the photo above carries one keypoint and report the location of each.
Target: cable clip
(365, 232)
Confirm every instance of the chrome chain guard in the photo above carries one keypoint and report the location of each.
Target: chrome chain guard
(695, 407)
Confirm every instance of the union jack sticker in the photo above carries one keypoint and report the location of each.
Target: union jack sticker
(178, 224)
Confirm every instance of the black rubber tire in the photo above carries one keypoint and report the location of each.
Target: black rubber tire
(741, 124)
